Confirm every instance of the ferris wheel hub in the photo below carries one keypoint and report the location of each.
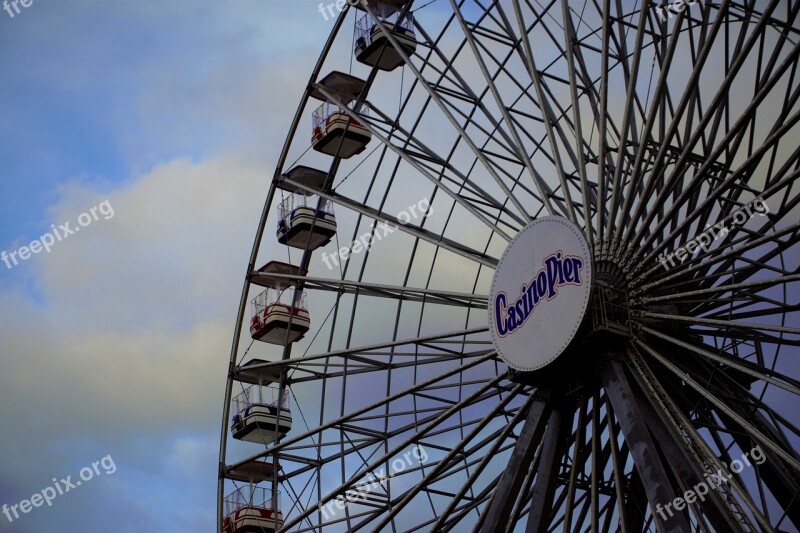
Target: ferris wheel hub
(540, 293)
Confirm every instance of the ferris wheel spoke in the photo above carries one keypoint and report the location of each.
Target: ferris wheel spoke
(727, 268)
(520, 150)
(776, 134)
(490, 454)
(672, 131)
(431, 477)
(516, 112)
(778, 185)
(716, 256)
(298, 503)
(429, 156)
(312, 372)
(764, 419)
(418, 410)
(769, 477)
(379, 290)
(476, 101)
(753, 238)
(768, 144)
(380, 403)
(461, 424)
(628, 125)
(403, 155)
(749, 336)
(329, 369)
(745, 286)
(508, 27)
(723, 408)
(395, 223)
(472, 505)
(747, 308)
(699, 321)
(744, 402)
(777, 49)
(511, 152)
(759, 372)
(548, 117)
(446, 111)
(688, 453)
(377, 439)
(656, 107)
(438, 344)
(598, 105)
(345, 431)
(786, 177)
(573, 50)
(475, 396)
(746, 304)
(475, 501)
(605, 159)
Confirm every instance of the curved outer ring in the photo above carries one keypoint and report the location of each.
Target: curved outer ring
(251, 267)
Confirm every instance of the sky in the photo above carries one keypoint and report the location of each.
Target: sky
(170, 115)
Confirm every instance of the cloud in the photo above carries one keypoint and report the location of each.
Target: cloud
(129, 336)
(178, 236)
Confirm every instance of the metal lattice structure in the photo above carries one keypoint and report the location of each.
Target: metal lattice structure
(650, 130)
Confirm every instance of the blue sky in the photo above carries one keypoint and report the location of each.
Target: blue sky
(116, 342)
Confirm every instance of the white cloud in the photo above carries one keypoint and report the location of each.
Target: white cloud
(132, 333)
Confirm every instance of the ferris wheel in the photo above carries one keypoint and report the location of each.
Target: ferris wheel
(527, 266)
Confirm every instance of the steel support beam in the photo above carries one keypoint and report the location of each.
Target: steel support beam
(781, 478)
(684, 468)
(507, 491)
(547, 475)
(643, 449)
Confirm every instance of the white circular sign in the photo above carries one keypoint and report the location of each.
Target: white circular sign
(540, 292)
